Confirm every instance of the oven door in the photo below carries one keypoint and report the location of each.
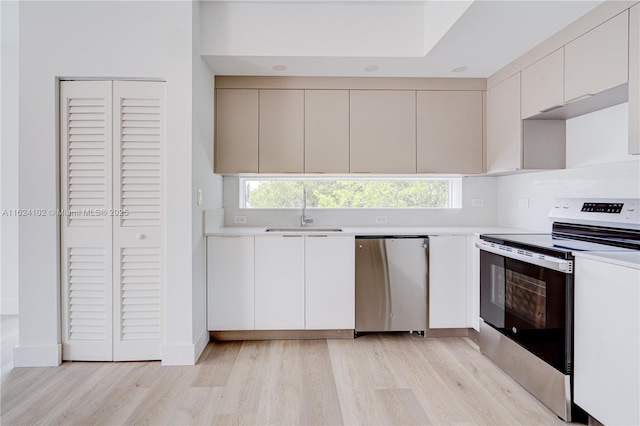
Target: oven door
(530, 304)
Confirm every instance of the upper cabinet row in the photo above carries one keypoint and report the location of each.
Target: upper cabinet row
(526, 112)
(348, 131)
(589, 65)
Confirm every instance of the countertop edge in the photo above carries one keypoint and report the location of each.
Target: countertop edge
(629, 259)
(382, 231)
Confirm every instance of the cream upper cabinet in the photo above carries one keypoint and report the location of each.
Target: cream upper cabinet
(634, 79)
(504, 126)
(383, 131)
(543, 85)
(449, 131)
(598, 60)
(236, 144)
(281, 131)
(326, 131)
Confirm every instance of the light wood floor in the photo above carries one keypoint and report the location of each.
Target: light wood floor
(394, 379)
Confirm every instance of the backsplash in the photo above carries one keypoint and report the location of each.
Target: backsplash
(472, 188)
(599, 166)
(617, 180)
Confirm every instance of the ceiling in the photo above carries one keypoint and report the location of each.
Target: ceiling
(484, 36)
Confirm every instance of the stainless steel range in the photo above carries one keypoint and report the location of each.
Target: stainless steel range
(526, 293)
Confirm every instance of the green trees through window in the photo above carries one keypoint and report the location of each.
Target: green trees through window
(350, 193)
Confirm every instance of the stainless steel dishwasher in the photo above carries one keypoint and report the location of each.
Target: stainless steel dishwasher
(391, 283)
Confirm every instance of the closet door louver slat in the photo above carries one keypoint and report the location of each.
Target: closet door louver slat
(140, 294)
(87, 133)
(140, 159)
(86, 295)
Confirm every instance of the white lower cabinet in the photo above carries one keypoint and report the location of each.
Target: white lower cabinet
(279, 282)
(606, 341)
(330, 282)
(230, 276)
(448, 286)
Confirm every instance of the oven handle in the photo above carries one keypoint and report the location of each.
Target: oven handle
(549, 262)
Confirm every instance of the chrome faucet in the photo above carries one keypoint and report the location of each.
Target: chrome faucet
(303, 218)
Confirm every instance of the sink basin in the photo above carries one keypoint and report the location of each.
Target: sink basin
(304, 230)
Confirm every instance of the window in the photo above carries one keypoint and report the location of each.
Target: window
(359, 193)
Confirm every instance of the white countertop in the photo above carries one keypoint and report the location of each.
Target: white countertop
(629, 259)
(377, 230)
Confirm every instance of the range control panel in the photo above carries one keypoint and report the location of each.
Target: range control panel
(617, 213)
(602, 207)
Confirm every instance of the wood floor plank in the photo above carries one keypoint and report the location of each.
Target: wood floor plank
(378, 379)
(402, 407)
(216, 363)
(162, 397)
(246, 380)
(319, 403)
(439, 402)
(359, 369)
(196, 406)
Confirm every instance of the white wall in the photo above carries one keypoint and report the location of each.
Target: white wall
(472, 187)
(313, 29)
(601, 167)
(150, 40)
(9, 157)
(203, 178)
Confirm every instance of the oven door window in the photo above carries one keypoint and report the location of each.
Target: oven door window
(528, 303)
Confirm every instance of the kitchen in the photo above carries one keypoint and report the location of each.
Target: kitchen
(602, 170)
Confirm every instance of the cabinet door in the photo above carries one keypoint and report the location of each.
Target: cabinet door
(330, 282)
(449, 131)
(598, 60)
(447, 282)
(326, 131)
(504, 126)
(86, 241)
(383, 131)
(543, 84)
(606, 336)
(634, 79)
(281, 131)
(236, 144)
(279, 282)
(230, 283)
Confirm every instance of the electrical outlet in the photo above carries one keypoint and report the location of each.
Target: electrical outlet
(477, 202)
(381, 219)
(239, 219)
(199, 197)
(523, 202)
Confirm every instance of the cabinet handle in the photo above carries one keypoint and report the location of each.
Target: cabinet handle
(140, 237)
(292, 236)
(317, 236)
(579, 98)
(552, 108)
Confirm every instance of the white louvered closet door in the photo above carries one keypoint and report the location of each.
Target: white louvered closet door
(86, 187)
(112, 134)
(138, 129)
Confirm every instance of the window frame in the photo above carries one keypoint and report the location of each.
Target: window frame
(454, 196)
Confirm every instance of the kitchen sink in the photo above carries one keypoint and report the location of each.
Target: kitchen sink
(304, 230)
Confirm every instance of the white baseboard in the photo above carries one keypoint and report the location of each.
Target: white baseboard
(185, 354)
(37, 356)
(8, 306)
